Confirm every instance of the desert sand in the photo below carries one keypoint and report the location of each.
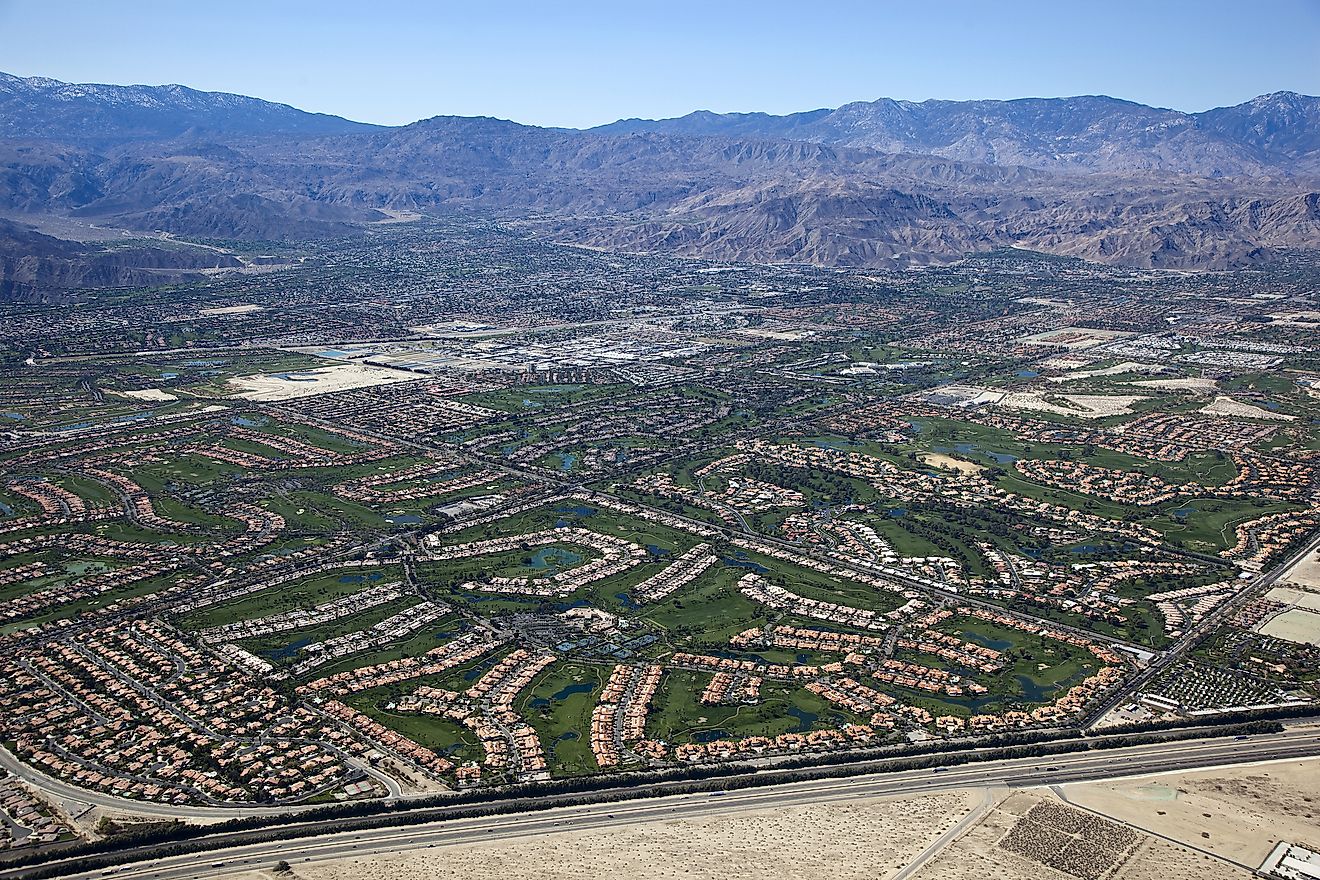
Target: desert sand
(1211, 824)
(1305, 572)
(1194, 384)
(992, 848)
(868, 839)
(1087, 406)
(1239, 813)
(1227, 406)
(323, 380)
(153, 394)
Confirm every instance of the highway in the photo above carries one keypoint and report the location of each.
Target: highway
(1017, 773)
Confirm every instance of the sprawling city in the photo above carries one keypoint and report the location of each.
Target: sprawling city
(449, 542)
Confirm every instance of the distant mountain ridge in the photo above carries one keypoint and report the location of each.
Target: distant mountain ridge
(1276, 132)
(37, 107)
(881, 183)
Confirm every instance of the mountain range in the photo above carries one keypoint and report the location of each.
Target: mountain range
(882, 183)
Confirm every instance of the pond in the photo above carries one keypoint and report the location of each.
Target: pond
(577, 687)
(985, 641)
(552, 560)
(805, 719)
(288, 650)
(740, 560)
(359, 578)
(972, 449)
(709, 736)
(580, 510)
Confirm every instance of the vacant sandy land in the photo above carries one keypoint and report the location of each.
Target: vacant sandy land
(1293, 625)
(1306, 573)
(1195, 384)
(153, 394)
(1227, 406)
(948, 461)
(322, 380)
(1295, 597)
(977, 855)
(869, 839)
(1115, 370)
(1087, 406)
(242, 309)
(1244, 810)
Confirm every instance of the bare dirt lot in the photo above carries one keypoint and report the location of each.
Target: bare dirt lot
(323, 380)
(869, 839)
(1033, 836)
(940, 460)
(1239, 813)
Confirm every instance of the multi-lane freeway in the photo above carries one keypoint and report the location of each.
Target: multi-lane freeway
(1017, 773)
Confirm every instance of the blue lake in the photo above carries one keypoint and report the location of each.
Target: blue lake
(577, 687)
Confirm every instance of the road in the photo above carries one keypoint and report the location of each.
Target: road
(1018, 773)
(63, 791)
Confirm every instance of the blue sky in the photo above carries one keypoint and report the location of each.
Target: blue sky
(585, 63)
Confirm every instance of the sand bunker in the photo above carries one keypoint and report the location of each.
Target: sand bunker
(322, 380)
